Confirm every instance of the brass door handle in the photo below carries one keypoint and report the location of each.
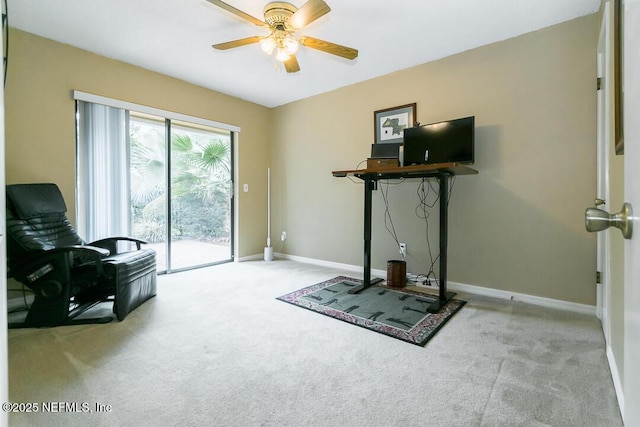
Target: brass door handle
(598, 220)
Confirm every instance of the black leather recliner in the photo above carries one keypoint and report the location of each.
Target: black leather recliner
(67, 275)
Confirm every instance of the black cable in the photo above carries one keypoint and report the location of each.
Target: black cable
(24, 296)
(452, 182)
(388, 221)
(423, 196)
(425, 189)
(5, 27)
(425, 215)
(24, 292)
(353, 180)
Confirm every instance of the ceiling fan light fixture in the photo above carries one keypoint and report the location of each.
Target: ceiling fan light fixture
(282, 54)
(290, 44)
(284, 21)
(267, 44)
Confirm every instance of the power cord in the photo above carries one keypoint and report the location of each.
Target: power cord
(388, 221)
(425, 191)
(357, 181)
(24, 292)
(428, 196)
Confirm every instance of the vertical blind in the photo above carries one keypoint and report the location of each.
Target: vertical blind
(103, 178)
(103, 162)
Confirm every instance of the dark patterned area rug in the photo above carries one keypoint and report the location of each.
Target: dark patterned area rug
(399, 313)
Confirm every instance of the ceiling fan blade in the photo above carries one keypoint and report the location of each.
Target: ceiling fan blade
(291, 65)
(309, 12)
(237, 43)
(238, 12)
(332, 48)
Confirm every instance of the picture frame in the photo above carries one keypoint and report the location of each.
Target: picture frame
(390, 123)
(618, 50)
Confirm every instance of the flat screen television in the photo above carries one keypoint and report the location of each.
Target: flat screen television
(451, 141)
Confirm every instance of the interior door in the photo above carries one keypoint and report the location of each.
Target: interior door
(4, 358)
(602, 196)
(631, 73)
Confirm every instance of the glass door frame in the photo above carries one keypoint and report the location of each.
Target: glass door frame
(168, 189)
(172, 115)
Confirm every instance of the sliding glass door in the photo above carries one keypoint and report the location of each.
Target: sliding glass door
(200, 188)
(179, 181)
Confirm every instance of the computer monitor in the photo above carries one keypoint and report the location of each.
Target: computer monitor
(450, 141)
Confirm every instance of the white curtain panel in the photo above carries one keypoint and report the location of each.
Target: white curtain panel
(103, 208)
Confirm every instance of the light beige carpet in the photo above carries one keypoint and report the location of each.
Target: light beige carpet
(215, 347)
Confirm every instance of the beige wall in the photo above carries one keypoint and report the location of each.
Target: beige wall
(519, 224)
(516, 226)
(40, 123)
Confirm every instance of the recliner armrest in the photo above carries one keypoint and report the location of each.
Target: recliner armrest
(111, 243)
(91, 249)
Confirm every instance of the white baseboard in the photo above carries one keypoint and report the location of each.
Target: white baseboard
(461, 287)
(255, 257)
(617, 381)
(529, 299)
(320, 262)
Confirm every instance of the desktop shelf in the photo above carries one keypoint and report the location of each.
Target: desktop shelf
(413, 171)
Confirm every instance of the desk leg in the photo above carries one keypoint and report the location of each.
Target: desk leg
(369, 186)
(443, 295)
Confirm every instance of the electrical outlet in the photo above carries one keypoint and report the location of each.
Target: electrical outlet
(283, 236)
(403, 248)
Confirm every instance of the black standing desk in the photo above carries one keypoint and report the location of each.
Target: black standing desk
(441, 172)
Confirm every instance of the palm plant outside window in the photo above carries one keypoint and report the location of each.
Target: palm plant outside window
(167, 181)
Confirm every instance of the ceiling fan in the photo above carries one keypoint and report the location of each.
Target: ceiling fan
(284, 20)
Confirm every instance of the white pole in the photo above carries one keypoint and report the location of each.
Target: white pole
(268, 207)
(268, 250)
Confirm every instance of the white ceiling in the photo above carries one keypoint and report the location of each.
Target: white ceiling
(174, 37)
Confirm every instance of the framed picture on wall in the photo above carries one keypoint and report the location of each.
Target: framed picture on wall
(389, 124)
